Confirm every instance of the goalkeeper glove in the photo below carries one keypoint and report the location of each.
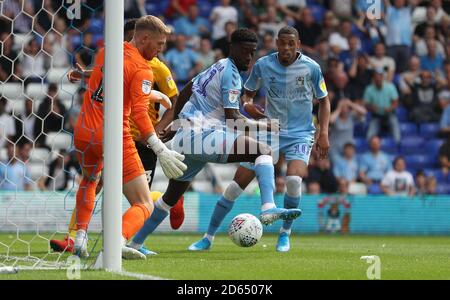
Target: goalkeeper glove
(171, 161)
(161, 98)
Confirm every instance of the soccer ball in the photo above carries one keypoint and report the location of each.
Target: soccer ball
(245, 230)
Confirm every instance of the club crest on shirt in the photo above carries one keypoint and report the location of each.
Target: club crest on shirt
(301, 81)
(146, 86)
(233, 96)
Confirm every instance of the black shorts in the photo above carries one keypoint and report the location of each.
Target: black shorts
(148, 158)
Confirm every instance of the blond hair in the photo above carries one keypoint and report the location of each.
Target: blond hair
(152, 24)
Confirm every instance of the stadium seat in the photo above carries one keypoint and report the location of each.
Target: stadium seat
(17, 106)
(96, 26)
(419, 161)
(59, 140)
(443, 189)
(437, 173)
(3, 155)
(40, 155)
(389, 146)
(36, 91)
(361, 145)
(58, 75)
(429, 130)
(37, 170)
(67, 91)
(317, 11)
(375, 189)
(11, 90)
(412, 145)
(432, 146)
(402, 114)
(408, 129)
(205, 10)
(360, 130)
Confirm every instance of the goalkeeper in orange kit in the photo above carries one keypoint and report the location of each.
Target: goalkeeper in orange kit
(164, 83)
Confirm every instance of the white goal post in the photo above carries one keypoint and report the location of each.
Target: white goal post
(113, 144)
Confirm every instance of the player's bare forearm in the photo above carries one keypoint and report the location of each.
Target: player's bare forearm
(247, 103)
(167, 117)
(323, 143)
(235, 115)
(183, 98)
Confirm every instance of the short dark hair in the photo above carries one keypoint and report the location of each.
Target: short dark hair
(129, 25)
(289, 30)
(52, 87)
(243, 35)
(347, 145)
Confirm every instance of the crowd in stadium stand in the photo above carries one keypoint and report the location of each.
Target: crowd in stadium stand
(388, 77)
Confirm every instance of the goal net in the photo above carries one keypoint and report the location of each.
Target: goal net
(40, 42)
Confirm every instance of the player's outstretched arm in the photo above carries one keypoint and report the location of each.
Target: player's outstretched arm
(261, 125)
(323, 143)
(169, 132)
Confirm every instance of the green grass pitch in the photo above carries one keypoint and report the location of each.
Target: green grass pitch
(311, 257)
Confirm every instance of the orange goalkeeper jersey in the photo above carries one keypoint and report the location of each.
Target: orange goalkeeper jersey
(137, 84)
(163, 82)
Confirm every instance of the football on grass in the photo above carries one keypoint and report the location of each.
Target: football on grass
(245, 230)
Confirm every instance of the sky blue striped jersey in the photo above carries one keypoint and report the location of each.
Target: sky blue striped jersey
(290, 91)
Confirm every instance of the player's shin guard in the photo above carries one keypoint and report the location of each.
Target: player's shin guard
(85, 203)
(133, 219)
(223, 207)
(292, 197)
(266, 179)
(160, 212)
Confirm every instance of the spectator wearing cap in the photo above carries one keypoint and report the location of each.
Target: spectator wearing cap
(342, 122)
(374, 164)
(398, 181)
(184, 62)
(381, 99)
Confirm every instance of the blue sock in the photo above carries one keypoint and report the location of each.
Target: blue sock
(150, 225)
(223, 207)
(266, 180)
(290, 202)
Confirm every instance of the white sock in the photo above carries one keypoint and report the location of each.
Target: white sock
(134, 245)
(124, 241)
(162, 205)
(80, 238)
(288, 231)
(209, 237)
(267, 206)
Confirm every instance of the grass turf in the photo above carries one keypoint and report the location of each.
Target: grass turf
(311, 257)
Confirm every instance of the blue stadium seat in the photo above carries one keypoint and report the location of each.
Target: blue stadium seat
(96, 26)
(402, 114)
(408, 129)
(205, 9)
(389, 146)
(443, 189)
(360, 130)
(432, 146)
(375, 189)
(429, 130)
(412, 145)
(437, 173)
(361, 145)
(419, 161)
(317, 11)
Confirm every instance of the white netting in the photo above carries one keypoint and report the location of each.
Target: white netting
(40, 41)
